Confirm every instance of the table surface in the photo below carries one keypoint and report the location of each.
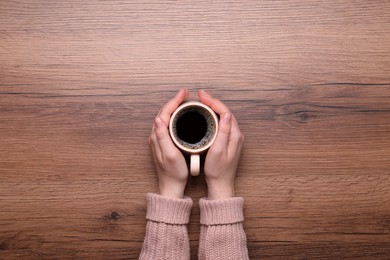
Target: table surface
(81, 81)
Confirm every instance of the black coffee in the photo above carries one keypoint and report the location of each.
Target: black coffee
(191, 127)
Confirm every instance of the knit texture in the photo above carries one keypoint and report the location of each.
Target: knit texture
(168, 210)
(217, 212)
(166, 234)
(222, 233)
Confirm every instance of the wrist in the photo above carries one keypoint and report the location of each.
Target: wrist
(172, 190)
(218, 190)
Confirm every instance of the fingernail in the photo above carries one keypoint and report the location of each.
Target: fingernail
(204, 92)
(185, 92)
(227, 117)
(159, 122)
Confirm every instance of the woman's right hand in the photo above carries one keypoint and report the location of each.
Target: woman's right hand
(170, 163)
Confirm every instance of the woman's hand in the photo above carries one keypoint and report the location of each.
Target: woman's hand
(223, 156)
(170, 164)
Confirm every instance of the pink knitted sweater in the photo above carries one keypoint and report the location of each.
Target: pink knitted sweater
(222, 234)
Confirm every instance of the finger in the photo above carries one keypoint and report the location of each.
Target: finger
(150, 138)
(155, 147)
(221, 143)
(153, 150)
(168, 149)
(236, 138)
(214, 103)
(171, 105)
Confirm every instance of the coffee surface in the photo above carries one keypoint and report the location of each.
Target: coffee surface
(194, 127)
(191, 127)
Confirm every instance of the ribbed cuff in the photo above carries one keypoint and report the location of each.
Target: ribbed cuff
(217, 212)
(168, 210)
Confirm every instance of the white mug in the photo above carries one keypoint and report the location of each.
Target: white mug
(193, 128)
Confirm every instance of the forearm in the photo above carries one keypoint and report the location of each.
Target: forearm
(222, 234)
(166, 234)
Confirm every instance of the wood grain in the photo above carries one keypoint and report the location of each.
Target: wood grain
(81, 81)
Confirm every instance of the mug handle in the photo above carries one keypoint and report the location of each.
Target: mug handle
(195, 164)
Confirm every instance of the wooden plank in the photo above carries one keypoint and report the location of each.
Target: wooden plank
(80, 83)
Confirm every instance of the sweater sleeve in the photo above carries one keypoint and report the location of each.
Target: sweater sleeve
(166, 234)
(222, 233)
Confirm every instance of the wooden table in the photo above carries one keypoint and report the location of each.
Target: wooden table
(81, 81)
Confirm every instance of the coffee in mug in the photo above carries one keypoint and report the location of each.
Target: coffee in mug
(193, 128)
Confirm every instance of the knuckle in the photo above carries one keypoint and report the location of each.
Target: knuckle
(153, 138)
(159, 160)
(160, 134)
(242, 138)
(171, 156)
(158, 131)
